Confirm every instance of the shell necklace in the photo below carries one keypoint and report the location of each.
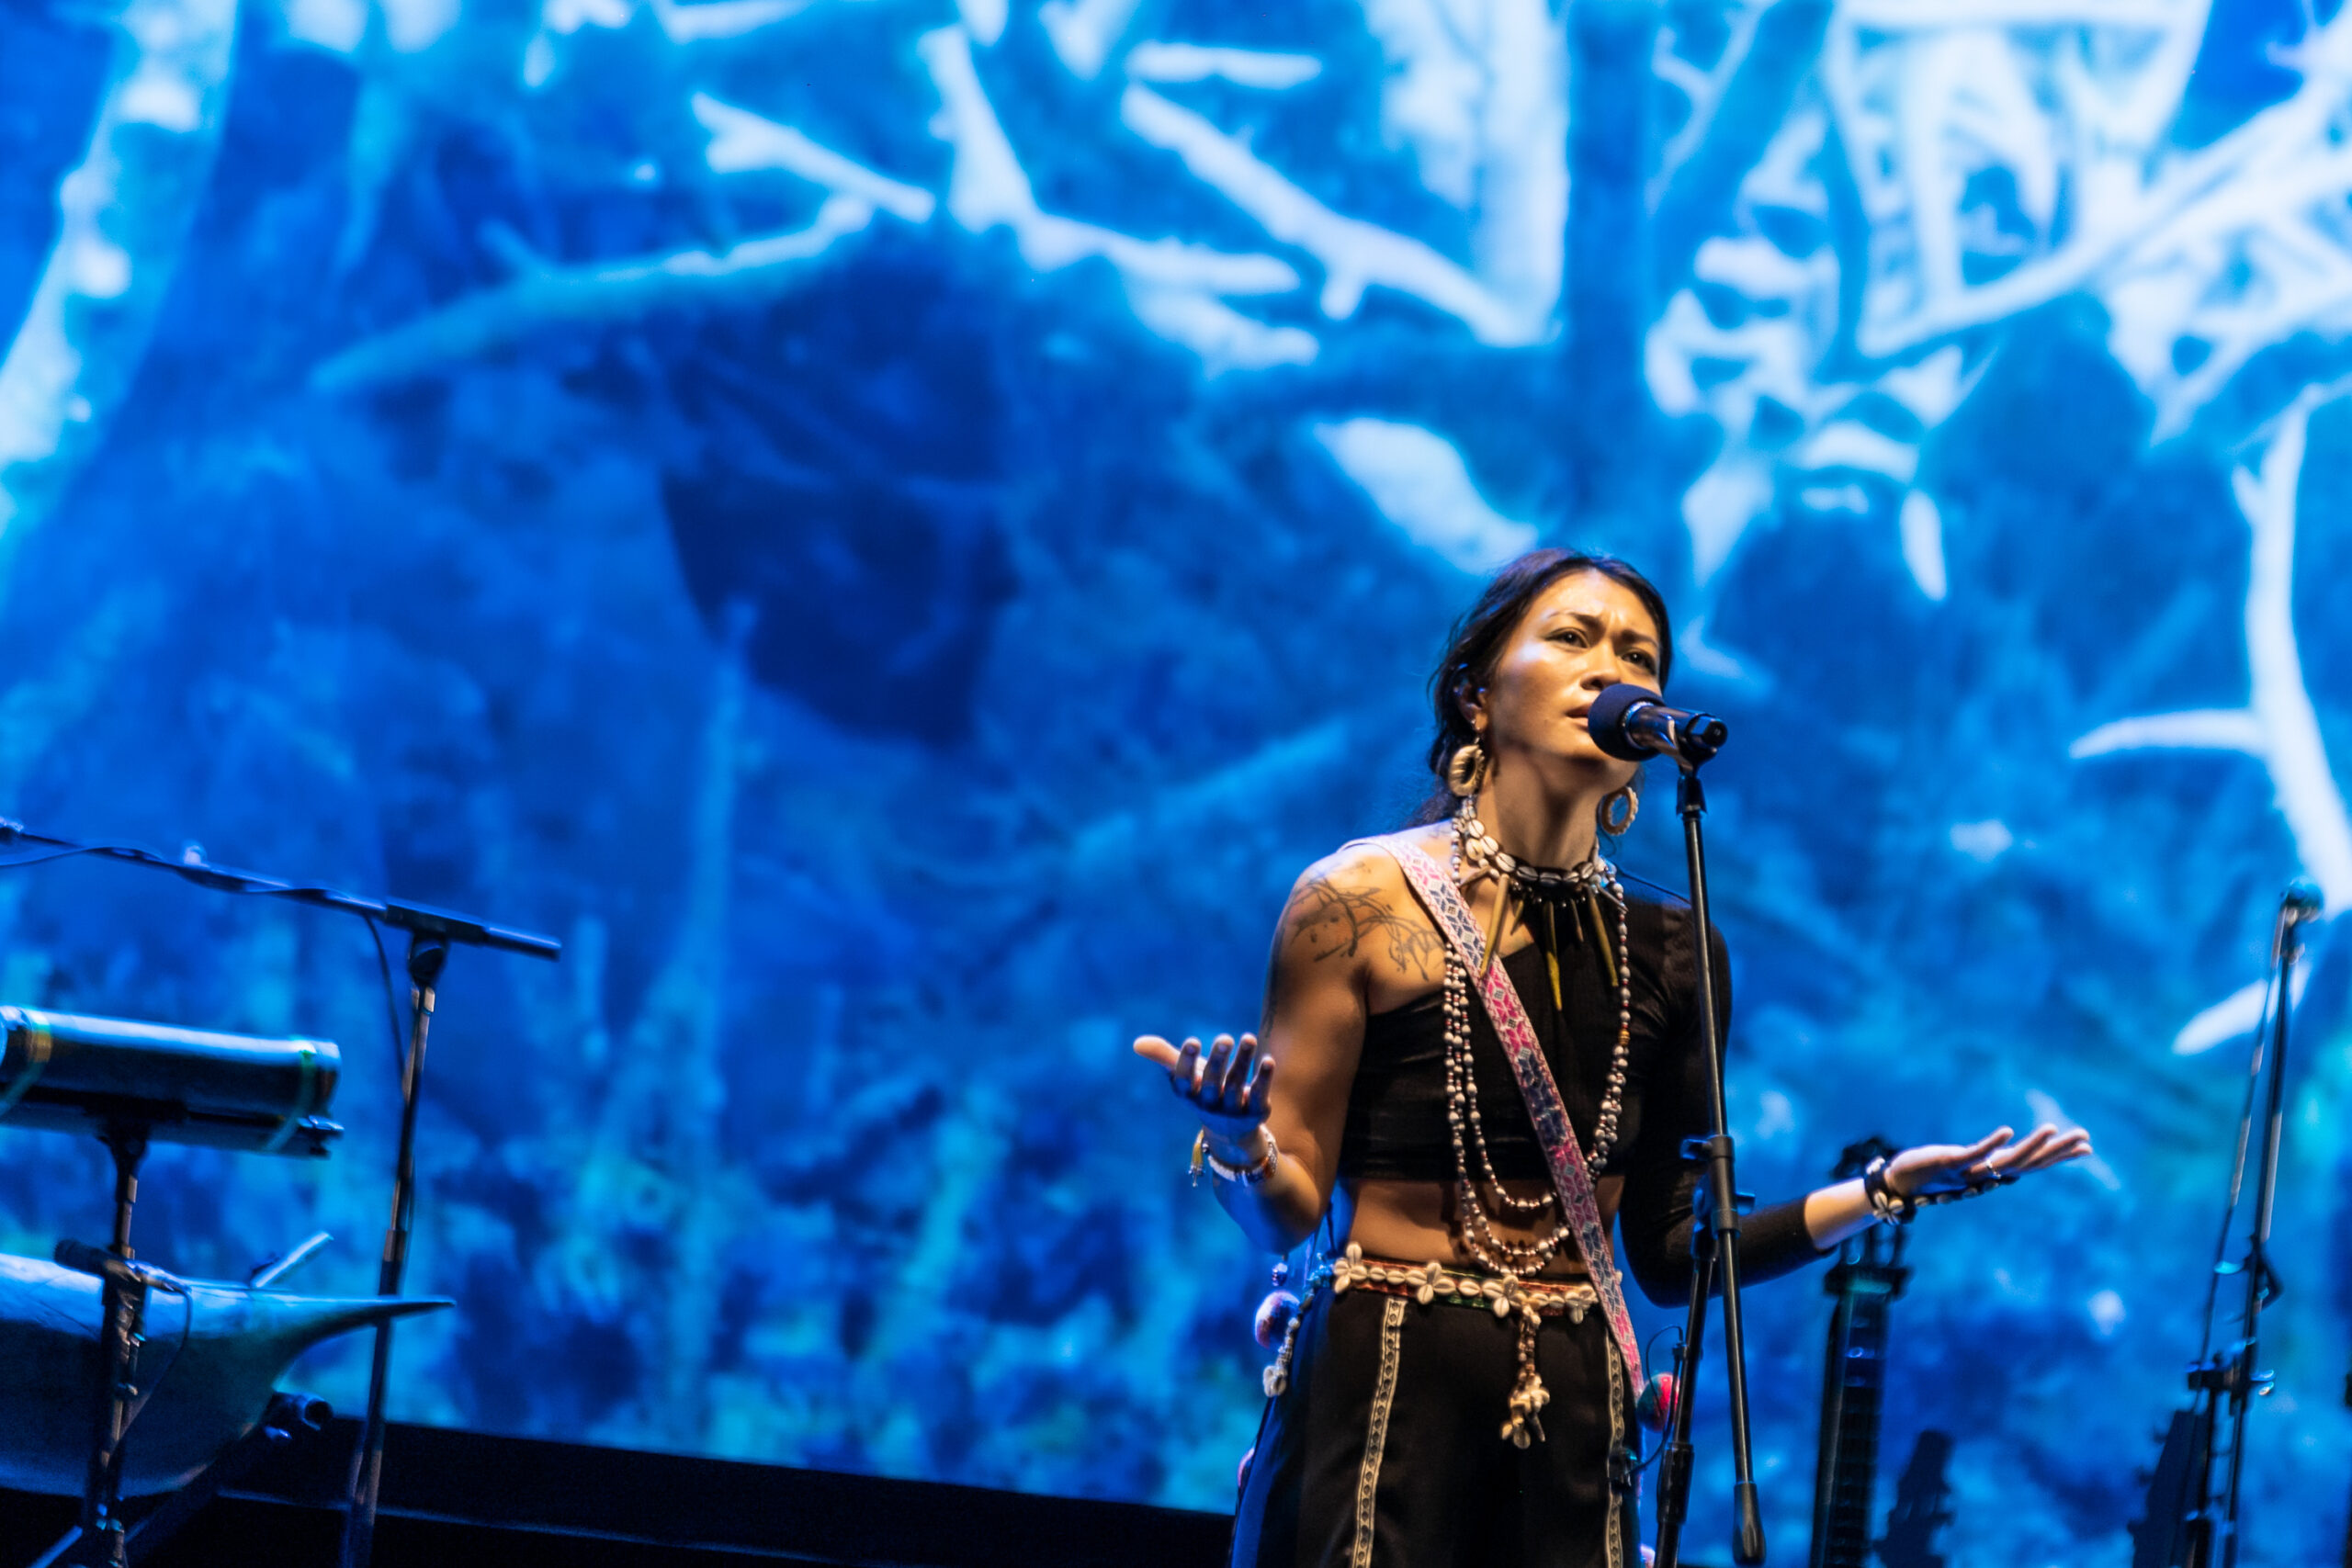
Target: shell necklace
(1476, 855)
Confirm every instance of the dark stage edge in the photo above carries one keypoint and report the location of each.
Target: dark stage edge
(453, 1499)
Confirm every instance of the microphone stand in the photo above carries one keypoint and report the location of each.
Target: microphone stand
(426, 955)
(2347, 1517)
(2230, 1373)
(418, 919)
(1714, 1234)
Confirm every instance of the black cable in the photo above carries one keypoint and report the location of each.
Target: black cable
(391, 1004)
(187, 1326)
(1649, 1359)
(41, 858)
(219, 881)
(2237, 1170)
(202, 873)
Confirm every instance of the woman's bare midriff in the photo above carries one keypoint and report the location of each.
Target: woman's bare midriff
(1407, 1221)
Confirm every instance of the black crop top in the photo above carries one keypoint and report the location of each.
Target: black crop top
(1396, 1124)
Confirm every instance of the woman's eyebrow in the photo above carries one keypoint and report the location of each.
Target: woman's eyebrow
(1585, 620)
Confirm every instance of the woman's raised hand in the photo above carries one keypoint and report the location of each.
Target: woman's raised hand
(1227, 1087)
(1933, 1169)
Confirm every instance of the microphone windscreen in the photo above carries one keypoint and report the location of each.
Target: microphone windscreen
(1606, 720)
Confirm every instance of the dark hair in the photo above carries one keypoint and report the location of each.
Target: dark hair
(1477, 643)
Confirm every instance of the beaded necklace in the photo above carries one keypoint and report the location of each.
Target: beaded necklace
(1476, 849)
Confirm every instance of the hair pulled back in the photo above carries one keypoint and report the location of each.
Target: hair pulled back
(1476, 645)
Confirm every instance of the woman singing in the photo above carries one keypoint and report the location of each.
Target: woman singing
(1461, 1383)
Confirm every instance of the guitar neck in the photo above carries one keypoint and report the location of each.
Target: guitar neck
(1853, 1388)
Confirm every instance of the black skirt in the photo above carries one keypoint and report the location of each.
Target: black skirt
(1385, 1452)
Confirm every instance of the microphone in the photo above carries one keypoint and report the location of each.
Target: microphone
(1632, 724)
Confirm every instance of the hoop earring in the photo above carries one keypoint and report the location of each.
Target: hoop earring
(1467, 770)
(1613, 824)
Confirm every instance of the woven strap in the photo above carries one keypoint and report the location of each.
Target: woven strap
(1451, 913)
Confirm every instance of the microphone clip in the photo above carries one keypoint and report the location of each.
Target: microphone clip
(2300, 904)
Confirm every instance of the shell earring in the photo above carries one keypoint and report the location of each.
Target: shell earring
(1618, 811)
(1467, 772)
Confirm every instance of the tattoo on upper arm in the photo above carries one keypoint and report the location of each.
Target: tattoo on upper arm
(1330, 922)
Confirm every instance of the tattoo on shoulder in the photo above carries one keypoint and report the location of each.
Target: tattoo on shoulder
(1333, 921)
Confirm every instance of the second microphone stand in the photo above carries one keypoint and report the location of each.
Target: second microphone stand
(2210, 1539)
(1714, 1239)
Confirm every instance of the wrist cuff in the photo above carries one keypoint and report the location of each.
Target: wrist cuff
(1887, 1205)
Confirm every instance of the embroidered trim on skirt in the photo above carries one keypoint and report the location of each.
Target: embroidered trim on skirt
(1533, 1300)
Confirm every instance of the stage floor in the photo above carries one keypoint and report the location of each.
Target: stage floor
(453, 1499)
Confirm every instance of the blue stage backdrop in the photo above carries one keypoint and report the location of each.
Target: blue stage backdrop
(897, 528)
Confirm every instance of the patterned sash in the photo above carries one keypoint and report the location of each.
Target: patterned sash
(1451, 913)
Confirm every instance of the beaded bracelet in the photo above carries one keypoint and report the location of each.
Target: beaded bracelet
(1248, 1176)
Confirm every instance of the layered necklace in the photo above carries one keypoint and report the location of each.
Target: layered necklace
(1477, 855)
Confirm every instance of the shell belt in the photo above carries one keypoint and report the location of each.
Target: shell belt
(1433, 1281)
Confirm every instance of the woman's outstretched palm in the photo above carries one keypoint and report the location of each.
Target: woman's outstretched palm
(1227, 1087)
(1933, 1169)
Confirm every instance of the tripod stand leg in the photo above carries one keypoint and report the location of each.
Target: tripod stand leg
(99, 1542)
(291, 1418)
(1674, 1465)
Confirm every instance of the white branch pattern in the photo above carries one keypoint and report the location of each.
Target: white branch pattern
(2202, 258)
(123, 213)
(741, 140)
(1354, 255)
(544, 296)
(2278, 725)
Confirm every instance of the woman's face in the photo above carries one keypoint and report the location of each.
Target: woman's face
(1582, 635)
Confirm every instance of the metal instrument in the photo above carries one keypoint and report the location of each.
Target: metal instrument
(134, 1084)
(71, 1074)
(211, 1352)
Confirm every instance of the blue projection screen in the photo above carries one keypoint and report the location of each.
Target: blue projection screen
(896, 527)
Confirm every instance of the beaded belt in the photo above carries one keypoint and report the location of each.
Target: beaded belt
(1433, 1281)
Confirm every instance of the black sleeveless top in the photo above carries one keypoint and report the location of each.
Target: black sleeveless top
(1396, 1123)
